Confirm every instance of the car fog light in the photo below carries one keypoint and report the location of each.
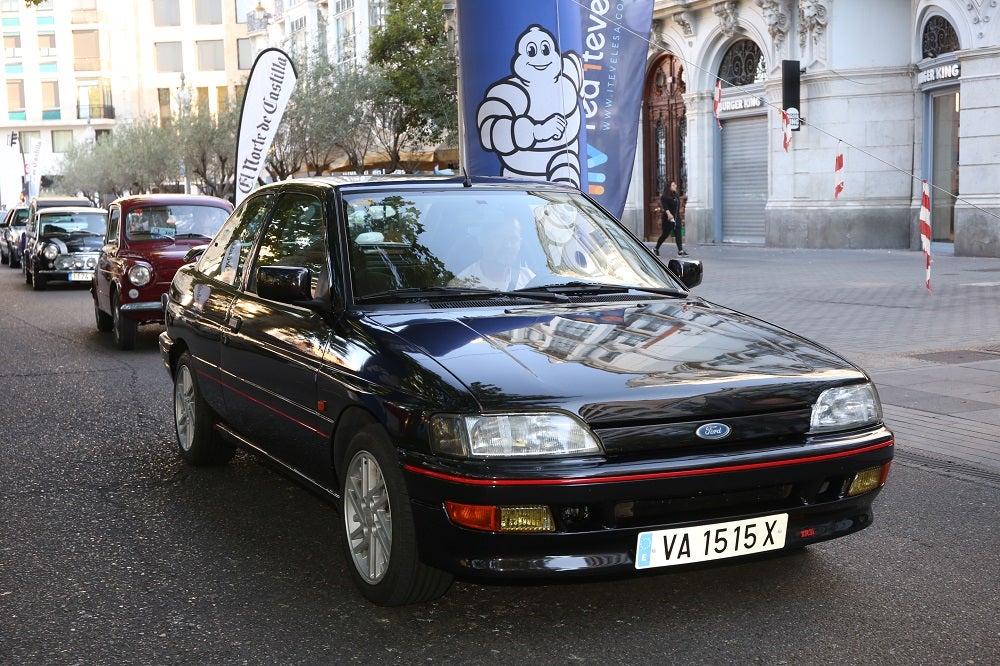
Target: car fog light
(133, 293)
(528, 518)
(868, 479)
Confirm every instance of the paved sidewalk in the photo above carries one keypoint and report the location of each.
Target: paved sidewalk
(934, 356)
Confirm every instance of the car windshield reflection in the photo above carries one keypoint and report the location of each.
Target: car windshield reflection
(510, 243)
(159, 222)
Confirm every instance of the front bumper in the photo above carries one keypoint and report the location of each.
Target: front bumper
(598, 522)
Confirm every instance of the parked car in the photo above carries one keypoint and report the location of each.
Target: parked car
(11, 230)
(24, 241)
(62, 244)
(147, 239)
(496, 380)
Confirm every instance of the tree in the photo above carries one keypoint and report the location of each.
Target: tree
(419, 104)
(208, 144)
(135, 157)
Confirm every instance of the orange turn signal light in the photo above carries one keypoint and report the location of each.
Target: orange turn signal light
(518, 518)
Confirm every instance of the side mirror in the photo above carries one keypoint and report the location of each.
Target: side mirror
(689, 271)
(194, 253)
(285, 284)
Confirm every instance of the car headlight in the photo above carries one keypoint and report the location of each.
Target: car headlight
(50, 251)
(845, 407)
(510, 435)
(140, 275)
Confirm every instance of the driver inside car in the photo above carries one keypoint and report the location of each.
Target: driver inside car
(499, 242)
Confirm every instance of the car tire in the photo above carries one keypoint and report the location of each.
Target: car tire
(124, 329)
(379, 533)
(38, 282)
(197, 442)
(104, 320)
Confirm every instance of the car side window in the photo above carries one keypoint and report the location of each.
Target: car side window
(113, 217)
(230, 250)
(295, 237)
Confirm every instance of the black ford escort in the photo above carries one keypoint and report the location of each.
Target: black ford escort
(496, 380)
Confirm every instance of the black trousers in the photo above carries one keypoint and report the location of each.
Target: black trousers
(669, 226)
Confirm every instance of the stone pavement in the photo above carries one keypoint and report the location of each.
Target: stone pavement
(934, 356)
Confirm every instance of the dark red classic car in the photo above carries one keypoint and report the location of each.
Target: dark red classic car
(147, 239)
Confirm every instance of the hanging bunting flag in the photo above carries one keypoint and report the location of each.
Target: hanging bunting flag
(717, 101)
(786, 130)
(925, 229)
(272, 79)
(838, 171)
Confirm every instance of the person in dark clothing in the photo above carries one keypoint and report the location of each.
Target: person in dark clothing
(670, 218)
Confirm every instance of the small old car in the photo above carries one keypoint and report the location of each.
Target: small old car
(147, 239)
(496, 380)
(11, 230)
(61, 243)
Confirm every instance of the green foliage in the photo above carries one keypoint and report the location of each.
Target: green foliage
(419, 102)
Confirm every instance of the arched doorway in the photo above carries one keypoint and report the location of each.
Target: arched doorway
(664, 136)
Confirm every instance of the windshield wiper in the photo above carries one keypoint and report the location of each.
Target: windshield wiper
(452, 292)
(579, 287)
(192, 236)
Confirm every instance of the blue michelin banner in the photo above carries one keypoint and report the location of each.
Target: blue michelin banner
(551, 90)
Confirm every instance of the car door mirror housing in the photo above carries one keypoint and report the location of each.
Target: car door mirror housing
(194, 253)
(689, 271)
(285, 284)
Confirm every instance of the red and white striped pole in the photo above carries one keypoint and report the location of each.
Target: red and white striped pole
(925, 229)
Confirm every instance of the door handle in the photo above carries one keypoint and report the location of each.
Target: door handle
(234, 323)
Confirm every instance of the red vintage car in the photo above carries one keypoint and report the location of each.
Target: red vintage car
(147, 239)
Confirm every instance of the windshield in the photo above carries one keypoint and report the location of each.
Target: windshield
(491, 240)
(70, 223)
(166, 221)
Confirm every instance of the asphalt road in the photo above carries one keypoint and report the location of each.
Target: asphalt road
(113, 552)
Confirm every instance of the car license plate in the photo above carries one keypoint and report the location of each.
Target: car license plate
(664, 548)
(80, 277)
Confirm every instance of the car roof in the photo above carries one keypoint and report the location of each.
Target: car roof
(49, 202)
(63, 210)
(413, 181)
(169, 198)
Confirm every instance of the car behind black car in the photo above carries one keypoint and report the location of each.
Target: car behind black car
(497, 381)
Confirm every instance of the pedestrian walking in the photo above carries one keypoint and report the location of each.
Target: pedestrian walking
(670, 218)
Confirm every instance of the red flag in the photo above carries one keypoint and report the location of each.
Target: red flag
(786, 130)
(925, 229)
(717, 101)
(838, 171)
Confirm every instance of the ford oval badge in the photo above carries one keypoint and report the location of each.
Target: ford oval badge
(713, 431)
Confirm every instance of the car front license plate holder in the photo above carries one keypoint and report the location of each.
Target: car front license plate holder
(716, 541)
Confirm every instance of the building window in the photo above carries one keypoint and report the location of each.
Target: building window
(28, 140)
(343, 27)
(939, 37)
(166, 12)
(15, 99)
(86, 51)
(50, 94)
(343, 6)
(168, 57)
(244, 53)
(94, 100)
(12, 5)
(12, 46)
(166, 115)
(211, 55)
(244, 7)
(47, 45)
(221, 97)
(743, 64)
(62, 140)
(208, 12)
(201, 99)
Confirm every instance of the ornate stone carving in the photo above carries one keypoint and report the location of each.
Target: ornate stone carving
(813, 16)
(686, 23)
(726, 11)
(777, 22)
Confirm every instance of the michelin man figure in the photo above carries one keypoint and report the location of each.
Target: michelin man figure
(532, 119)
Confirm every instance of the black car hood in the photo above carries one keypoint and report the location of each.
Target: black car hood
(653, 360)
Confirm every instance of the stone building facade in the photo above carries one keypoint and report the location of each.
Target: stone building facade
(901, 90)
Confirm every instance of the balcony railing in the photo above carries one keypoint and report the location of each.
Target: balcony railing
(96, 111)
